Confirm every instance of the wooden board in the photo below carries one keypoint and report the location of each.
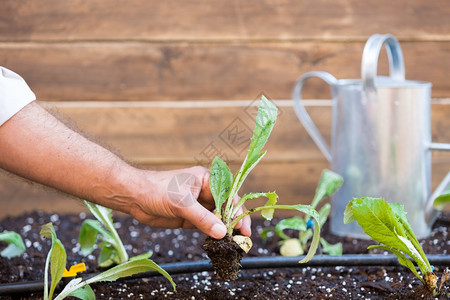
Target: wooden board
(55, 20)
(142, 71)
(294, 182)
(187, 132)
(169, 135)
(127, 73)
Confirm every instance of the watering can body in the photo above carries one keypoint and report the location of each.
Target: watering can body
(380, 139)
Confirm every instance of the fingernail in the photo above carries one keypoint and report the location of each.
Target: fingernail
(218, 231)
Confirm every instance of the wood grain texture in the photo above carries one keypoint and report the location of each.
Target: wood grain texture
(169, 135)
(144, 61)
(140, 71)
(187, 132)
(294, 182)
(54, 20)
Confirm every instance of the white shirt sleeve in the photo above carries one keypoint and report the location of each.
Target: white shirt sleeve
(14, 94)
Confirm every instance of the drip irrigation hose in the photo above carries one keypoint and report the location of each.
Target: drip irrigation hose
(246, 263)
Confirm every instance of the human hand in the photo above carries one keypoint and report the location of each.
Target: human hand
(181, 198)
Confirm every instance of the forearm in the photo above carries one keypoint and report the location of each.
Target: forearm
(35, 145)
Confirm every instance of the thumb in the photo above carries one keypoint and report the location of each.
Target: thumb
(204, 220)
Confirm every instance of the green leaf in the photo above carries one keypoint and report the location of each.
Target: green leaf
(309, 210)
(272, 200)
(378, 221)
(331, 249)
(130, 268)
(84, 293)
(442, 199)
(402, 259)
(104, 215)
(304, 236)
(248, 197)
(16, 246)
(328, 184)
(348, 213)
(145, 255)
(422, 260)
(57, 258)
(101, 213)
(58, 264)
(77, 288)
(295, 223)
(238, 180)
(106, 256)
(88, 236)
(265, 120)
(70, 288)
(81, 289)
(220, 182)
(387, 224)
(324, 212)
(267, 213)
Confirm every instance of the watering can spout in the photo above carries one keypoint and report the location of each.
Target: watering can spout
(431, 213)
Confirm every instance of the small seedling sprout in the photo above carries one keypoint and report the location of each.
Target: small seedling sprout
(329, 182)
(77, 287)
(387, 224)
(112, 250)
(224, 186)
(15, 244)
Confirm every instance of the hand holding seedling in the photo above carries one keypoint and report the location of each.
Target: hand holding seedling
(226, 253)
(37, 146)
(182, 198)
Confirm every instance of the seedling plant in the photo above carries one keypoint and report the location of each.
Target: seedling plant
(328, 184)
(112, 250)
(79, 287)
(15, 244)
(387, 224)
(225, 254)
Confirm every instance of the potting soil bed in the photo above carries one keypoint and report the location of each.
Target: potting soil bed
(181, 245)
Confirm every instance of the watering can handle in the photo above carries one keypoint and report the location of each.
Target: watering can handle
(370, 60)
(303, 115)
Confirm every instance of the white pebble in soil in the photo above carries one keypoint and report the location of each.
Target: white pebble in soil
(26, 228)
(54, 218)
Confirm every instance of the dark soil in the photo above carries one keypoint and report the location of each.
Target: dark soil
(225, 256)
(176, 245)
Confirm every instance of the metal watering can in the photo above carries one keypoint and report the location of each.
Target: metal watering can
(380, 138)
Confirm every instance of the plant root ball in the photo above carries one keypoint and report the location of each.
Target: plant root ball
(225, 256)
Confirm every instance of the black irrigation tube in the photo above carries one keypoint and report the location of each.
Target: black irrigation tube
(247, 263)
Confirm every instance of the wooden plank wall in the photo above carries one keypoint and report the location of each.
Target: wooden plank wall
(163, 81)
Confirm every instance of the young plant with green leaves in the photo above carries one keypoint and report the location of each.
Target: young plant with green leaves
(328, 184)
(79, 287)
(224, 187)
(15, 244)
(442, 200)
(112, 250)
(387, 224)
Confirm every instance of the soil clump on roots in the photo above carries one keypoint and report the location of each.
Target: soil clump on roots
(225, 256)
